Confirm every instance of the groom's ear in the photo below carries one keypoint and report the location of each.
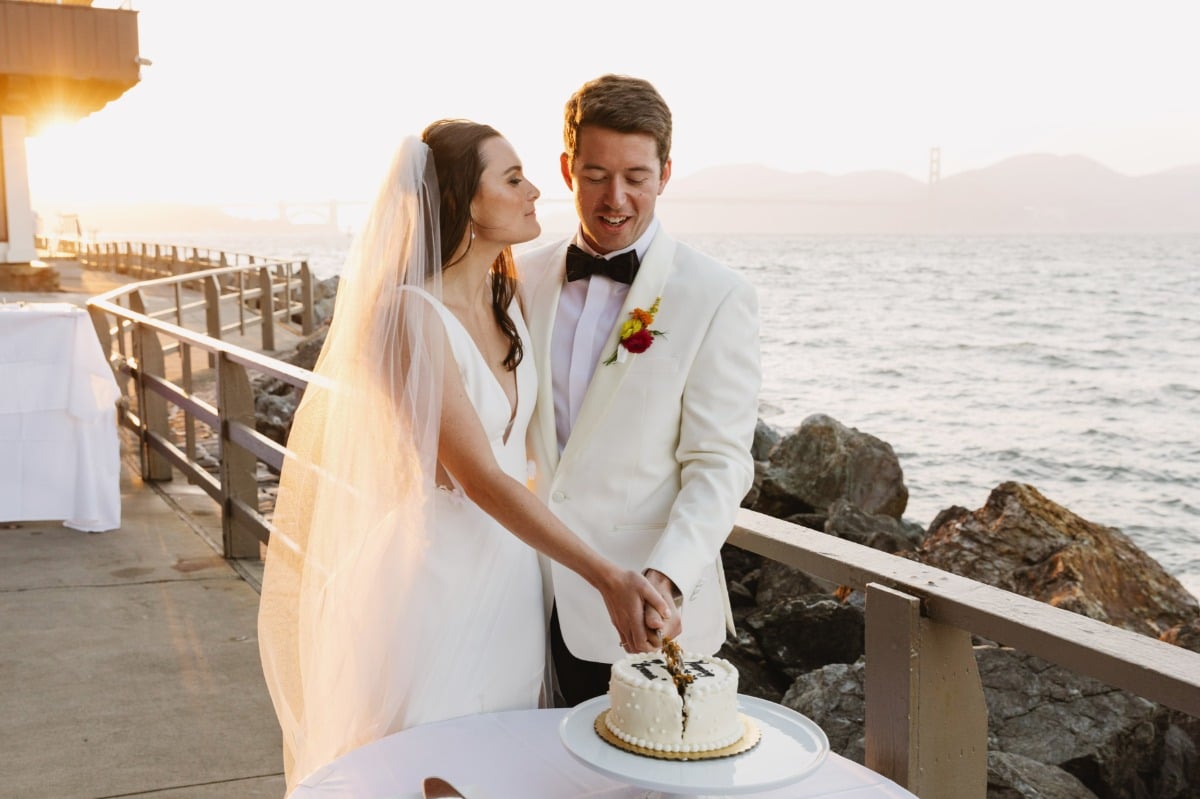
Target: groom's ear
(564, 163)
(665, 176)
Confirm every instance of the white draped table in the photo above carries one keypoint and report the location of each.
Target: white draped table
(519, 754)
(59, 450)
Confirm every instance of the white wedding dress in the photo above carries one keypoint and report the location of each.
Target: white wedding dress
(485, 637)
(388, 601)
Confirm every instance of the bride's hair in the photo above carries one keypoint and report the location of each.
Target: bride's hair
(455, 146)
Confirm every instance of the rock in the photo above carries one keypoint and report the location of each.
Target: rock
(275, 401)
(273, 415)
(738, 562)
(835, 698)
(739, 595)
(778, 583)
(1180, 772)
(751, 498)
(1016, 777)
(1186, 635)
(1105, 737)
(324, 298)
(813, 521)
(755, 677)
(765, 439)
(1023, 542)
(873, 530)
(823, 461)
(803, 633)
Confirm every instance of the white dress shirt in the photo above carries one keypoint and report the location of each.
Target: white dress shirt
(587, 312)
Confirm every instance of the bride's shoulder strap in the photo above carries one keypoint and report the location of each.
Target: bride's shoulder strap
(442, 311)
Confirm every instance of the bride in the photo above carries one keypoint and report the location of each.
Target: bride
(401, 583)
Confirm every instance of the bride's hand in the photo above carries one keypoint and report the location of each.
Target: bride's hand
(662, 627)
(628, 596)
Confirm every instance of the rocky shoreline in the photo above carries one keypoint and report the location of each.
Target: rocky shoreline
(1051, 733)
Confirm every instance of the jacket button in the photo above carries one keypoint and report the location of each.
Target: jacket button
(558, 496)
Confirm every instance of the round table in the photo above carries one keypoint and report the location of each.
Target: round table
(519, 754)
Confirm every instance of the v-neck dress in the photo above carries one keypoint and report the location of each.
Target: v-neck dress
(486, 634)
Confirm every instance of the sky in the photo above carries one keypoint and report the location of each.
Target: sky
(258, 101)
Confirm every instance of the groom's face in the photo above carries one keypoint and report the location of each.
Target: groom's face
(616, 179)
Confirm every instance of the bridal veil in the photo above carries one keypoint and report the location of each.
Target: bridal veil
(339, 607)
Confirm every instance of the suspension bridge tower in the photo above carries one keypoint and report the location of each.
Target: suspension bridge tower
(61, 60)
(935, 175)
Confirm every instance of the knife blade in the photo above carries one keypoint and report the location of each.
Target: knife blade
(438, 788)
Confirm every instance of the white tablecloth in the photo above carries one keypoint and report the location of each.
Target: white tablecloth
(59, 451)
(519, 754)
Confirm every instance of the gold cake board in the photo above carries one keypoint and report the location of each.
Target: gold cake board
(750, 737)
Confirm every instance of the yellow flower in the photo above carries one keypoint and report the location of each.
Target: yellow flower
(635, 334)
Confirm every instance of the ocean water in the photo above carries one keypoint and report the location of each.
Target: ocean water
(1071, 363)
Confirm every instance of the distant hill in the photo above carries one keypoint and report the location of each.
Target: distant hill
(153, 218)
(1024, 194)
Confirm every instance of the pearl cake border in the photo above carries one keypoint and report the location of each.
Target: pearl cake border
(751, 734)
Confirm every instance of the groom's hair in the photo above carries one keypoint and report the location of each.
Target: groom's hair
(620, 103)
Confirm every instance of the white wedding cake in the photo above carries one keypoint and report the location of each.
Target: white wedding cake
(674, 702)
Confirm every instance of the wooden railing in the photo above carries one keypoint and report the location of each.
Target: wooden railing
(167, 335)
(926, 722)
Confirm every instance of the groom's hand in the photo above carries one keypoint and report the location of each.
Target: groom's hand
(664, 628)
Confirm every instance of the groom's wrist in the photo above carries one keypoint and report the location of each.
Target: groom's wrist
(665, 585)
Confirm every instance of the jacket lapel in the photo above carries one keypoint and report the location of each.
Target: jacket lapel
(606, 381)
(543, 307)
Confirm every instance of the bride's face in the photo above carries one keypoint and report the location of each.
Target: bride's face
(503, 205)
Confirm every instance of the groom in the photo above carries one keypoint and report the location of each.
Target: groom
(647, 354)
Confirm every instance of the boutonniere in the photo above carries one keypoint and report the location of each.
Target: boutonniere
(636, 333)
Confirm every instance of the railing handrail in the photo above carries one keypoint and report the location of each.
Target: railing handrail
(1115, 656)
(293, 375)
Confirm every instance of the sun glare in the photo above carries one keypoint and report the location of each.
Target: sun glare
(50, 124)
(51, 171)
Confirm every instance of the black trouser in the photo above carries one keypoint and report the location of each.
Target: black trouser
(578, 680)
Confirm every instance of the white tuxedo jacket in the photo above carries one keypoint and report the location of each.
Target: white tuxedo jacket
(659, 458)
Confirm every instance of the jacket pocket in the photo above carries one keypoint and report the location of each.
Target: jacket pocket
(655, 527)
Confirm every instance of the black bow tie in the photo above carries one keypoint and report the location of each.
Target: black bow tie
(620, 268)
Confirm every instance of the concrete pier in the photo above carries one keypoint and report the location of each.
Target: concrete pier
(129, 658)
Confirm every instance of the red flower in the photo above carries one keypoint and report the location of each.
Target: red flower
(639, 341)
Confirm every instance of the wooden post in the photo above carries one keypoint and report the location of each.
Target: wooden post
(189, 419)
(307, 322)
(212, 311)
(926, 725)
(893, 628)
(152, 408)
(238, 480)
(266, 308)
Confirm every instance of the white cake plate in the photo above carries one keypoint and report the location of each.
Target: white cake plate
(791, 748)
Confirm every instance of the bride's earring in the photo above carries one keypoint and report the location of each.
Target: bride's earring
(472, 221)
